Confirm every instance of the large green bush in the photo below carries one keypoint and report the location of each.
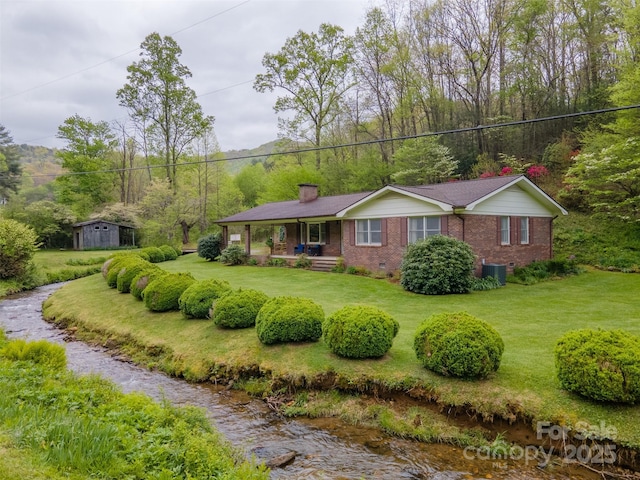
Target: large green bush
(17, 248)
(209, 247)
(359, 332)
(438, 265)
(169, 252)
(289, 319)
(129, 271)
(155, 254)
(196, 300)
(602, 365)
(459, 345)
(144, 278)
(238, 309)
(120, 263)
(234, 255)
(163, 293)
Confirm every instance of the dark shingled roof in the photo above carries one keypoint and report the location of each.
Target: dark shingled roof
(463, 193)
(456, 194)
(292, 209)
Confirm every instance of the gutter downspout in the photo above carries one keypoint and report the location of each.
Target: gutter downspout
(551, 237)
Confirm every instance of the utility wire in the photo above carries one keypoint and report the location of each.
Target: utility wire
(357, 144)
(69, 75)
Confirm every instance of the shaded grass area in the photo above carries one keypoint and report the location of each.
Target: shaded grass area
(54, 425)
(530, 319)
(53, 266)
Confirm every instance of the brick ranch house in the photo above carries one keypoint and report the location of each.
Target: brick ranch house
(506, 220)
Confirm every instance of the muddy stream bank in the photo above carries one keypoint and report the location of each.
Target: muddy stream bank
(324, 448)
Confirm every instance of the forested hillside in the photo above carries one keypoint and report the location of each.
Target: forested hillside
(423, 92)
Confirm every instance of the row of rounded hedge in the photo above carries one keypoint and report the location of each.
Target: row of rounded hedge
(601, 365)
(351, 332)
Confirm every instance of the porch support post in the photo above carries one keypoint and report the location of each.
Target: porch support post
(225, 237)
(247, 239)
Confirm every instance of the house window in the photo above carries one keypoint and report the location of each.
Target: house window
(423, 227)
(369, 232)
(524, 230)
(97, 227)
(106, 227)
(316, 233)
(505, 231)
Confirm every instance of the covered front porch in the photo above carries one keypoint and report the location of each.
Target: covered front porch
(315, 238)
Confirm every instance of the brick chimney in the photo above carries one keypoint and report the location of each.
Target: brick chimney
(308, 192)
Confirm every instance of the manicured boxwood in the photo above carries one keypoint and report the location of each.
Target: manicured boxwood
(119, 263)
(289, 319)
(357, 331)
(210, 246)
(141, 280)
(438, 265)
(155, 254)
(459, 345)
(162, 294)
(196, 301)
(129, 271)
(169, 252)
(602, 365)
(238, 309)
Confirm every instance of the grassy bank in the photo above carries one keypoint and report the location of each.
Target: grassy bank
(55, 425)
(53, 266)
(529, 318)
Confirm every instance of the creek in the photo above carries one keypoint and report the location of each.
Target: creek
(324, 448)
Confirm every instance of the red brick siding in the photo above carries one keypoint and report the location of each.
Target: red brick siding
(479, 231)
(385, 258)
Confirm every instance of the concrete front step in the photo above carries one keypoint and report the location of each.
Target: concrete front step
(322, 264)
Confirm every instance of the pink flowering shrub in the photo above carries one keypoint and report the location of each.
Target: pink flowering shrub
(537, 171)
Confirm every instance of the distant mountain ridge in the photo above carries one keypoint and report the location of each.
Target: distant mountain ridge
(42, 163)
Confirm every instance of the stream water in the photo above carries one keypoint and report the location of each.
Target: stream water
(325, 448)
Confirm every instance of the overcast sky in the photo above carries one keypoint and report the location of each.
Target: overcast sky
(61, 58)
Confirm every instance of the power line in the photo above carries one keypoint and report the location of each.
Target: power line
(357, 144)
(69, 75)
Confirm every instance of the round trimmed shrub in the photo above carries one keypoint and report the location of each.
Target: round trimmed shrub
(155, 254)
(602, 365)
(360, 332)
(458, 345)
(129, 271)
(120, 262)
(18, 245)
(169, 252)
(163, 293)
(196, 301)
(144, 278)
(438, 265)
(238, 309)
(289, 319)
(209, 247)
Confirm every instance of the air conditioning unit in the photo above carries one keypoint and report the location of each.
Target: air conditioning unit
(495, 270)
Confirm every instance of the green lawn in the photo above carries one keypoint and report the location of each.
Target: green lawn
(529, 318)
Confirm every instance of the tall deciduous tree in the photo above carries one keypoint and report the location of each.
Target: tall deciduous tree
(423, 161)
(10, 170)
(87, 158)
(158, 98)
(312, 69)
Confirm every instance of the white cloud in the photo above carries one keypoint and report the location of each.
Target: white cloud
(59, 58)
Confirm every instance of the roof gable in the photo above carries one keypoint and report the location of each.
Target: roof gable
(466, 195)
(469, 196)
